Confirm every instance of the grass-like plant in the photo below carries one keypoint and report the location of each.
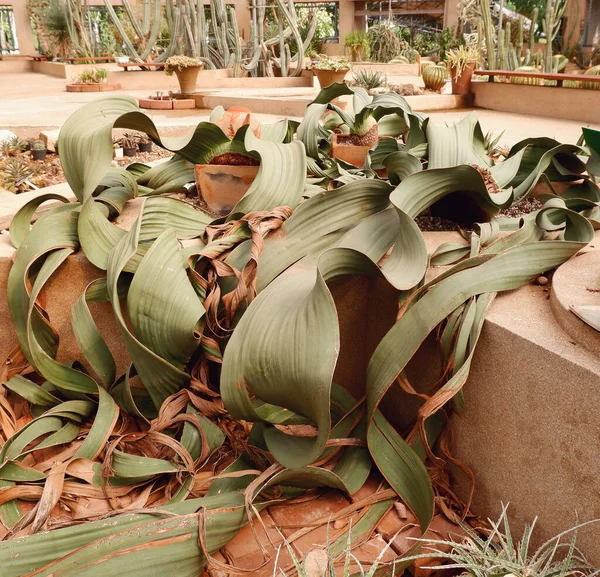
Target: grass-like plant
(369, 79)
(325, 562)
(501, 554)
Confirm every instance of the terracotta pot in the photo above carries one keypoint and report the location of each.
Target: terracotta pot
(222, 186)
(351, 154)
(187, 78)
(328, 77)
(356, 54)
(463, 84)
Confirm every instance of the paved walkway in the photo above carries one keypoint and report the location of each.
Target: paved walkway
(31, 102)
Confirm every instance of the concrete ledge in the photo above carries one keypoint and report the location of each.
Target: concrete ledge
(68, 71)
(529, 431)
(389, 69)
(10, 65)
(566, 103)
(295, 105)
(154, 80)
(576, 283)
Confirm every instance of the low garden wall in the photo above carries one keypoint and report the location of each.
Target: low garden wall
(68, 71)
(389, 69)
(10, 65)
(296, 105)
(566, 103)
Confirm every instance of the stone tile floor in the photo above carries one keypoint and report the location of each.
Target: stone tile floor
(39, 101)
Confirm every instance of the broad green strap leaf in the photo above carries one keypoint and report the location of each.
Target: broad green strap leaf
(160, 377)
(21, 222)
(318, 223)
(273, 186)
(453, 145)
(161, 300)
(420, 190)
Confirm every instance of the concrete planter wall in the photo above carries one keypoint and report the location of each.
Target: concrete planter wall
(567, 103)
(10, 65)
(389, 69)
(68, 71)
(106, 87)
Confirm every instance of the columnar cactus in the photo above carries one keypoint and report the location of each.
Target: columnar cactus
(532, 28)
(488, 27)
(548, 27)
(216, 42)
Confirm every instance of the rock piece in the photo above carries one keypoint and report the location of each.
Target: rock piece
(50, 138)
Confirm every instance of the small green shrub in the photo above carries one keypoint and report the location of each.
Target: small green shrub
(92, 76)
(12, 146)
(13, 171)
(437, 43)
(358, 45)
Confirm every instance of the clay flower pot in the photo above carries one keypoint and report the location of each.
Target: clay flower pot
(352, 148)
(187, 78)
(222, 186)
(462, 84)
(328, 77)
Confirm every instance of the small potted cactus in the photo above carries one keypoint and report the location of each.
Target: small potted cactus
(38, 150)
(331, 70)
(186, 69)
(128, 143)
(144, 143)
(461, 63)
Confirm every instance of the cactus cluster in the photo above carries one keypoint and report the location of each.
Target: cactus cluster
(508, 51)
(216, 41)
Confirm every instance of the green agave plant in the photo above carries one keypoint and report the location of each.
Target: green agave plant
(226, 321)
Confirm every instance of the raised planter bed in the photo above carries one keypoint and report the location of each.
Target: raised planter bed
(556, 79)
(92, 87)
(166, 103)
(393, 69)
(533, 100)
